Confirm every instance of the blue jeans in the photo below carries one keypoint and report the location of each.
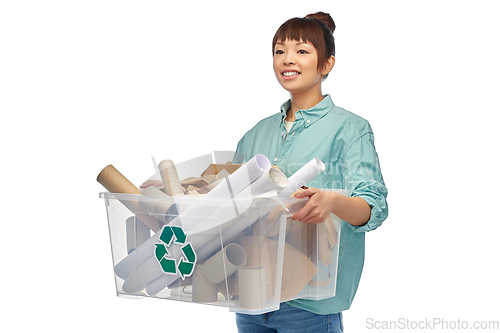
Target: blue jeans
(289, 319)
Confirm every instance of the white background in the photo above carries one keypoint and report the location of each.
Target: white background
(84, 84)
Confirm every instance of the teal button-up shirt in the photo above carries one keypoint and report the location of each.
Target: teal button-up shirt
(344, 142)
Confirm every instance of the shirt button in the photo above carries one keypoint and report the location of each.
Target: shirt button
(308, 121)
(293, 133)
(275, 159)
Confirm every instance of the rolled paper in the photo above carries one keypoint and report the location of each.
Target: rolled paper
(137, 233)
(241, 178)
(304, 175)
(252, 288)
(203, 290)
(139, 278)
(170, 178)
(115, 182)
(227, 189)
(137, 257)
(158, 207)
(271, 179)
(225, 262)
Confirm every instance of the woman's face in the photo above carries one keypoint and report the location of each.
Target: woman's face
(295, 65)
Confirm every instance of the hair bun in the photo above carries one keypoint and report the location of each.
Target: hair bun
(325, 18)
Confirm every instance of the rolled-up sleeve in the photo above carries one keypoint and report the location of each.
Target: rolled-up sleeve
(363, 178)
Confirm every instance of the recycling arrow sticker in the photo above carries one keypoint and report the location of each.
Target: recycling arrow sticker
(185, 265)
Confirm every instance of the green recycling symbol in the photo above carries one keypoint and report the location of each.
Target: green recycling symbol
(169, 265)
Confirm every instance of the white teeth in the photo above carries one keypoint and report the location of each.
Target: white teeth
(290, 73)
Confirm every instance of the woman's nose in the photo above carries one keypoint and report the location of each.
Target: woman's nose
(289, 59)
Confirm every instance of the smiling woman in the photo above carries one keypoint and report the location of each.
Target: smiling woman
(296, 68)
(303, 56)
(316, 29)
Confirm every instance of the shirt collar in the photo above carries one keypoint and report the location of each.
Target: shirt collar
(311, 115)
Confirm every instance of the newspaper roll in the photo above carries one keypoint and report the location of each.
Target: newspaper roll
(225, 262)
(203, 290)
(170, 179)
(304, 175)
(252, 287)
(227, 189)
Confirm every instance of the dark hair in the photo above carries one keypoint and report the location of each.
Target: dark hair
(315, 28)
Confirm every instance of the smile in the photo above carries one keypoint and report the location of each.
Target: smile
(289, 74)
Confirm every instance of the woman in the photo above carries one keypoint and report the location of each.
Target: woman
(310, 125)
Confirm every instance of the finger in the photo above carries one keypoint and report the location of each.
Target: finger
(311, 217)
(299, 215)
(314, 216)
(306, 193)
(303, 212)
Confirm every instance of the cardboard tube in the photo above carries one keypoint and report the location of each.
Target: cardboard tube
(170, 179)
(115, 182)
(225, 262)
(203, 290)
(252, 287)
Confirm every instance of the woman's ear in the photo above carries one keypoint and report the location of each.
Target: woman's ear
(330, 62)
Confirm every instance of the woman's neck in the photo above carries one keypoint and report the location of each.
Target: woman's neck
(302, 102)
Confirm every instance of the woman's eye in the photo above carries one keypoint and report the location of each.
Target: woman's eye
(302, 51)
(279, 52)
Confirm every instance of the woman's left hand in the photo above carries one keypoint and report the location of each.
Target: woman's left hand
(317, 208)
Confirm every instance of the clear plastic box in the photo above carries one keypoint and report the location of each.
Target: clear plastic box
(247, 255)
